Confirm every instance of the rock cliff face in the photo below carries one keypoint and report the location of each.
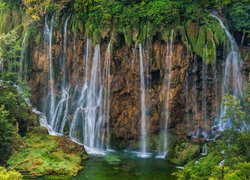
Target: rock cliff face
(194, 94)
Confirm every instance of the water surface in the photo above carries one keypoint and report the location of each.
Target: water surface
(125, 165)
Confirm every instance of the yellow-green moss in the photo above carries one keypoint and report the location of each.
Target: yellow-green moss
(43, 154)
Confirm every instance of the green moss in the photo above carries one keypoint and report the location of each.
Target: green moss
(128, 35)
(96, 36)
(43, 154)
(192, 30)
(183, 152)
(211, 52)
(219, 34)
(201, 41)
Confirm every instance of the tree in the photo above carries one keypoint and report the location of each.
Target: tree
(9, 51)
(233, 110)
(238, 12)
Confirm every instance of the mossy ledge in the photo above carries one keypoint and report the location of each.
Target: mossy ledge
(42, 154)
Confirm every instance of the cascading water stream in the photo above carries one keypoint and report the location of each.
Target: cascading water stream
(232, 81)
(204, 93)
(143, 105)
(168, 77)
(93, 126)
(194, 85)
(187, 117)
(204, 89)
(22, 58)
(81, 102)
(92, 108)
(214, 69)
(167, 110)
(107, 82)
(48, 35)
(61, 111)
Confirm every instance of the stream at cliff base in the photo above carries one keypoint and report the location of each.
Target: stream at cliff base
(125, 165)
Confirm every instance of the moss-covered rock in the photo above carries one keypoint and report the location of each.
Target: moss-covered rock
(43, 155)
(183, 152)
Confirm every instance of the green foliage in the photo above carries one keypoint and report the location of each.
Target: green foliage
(6, 135)
(238, 14)
(15, 116)
(38, 8)
(233, 148)
(138, 20)
(20, 114)
(183, 152)
(160, 12)
(43, 154)
(233, 109)
(9, 49)
(9, 175)
(239, 172)
(193, 11)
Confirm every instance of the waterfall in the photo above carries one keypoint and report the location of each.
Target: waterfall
(167, 80)
(169, 77)
(187, 117)
(48, 35)
(204, 93)
(204, 89)
(22, 58)
(107, 82)
(92, 108)
(232, 78)
(143, 105)
(195, 94)
(78, 115)
(93, 121)
(61, 111)
(214, 68)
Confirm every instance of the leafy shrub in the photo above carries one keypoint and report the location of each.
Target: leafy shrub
(9, 175)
